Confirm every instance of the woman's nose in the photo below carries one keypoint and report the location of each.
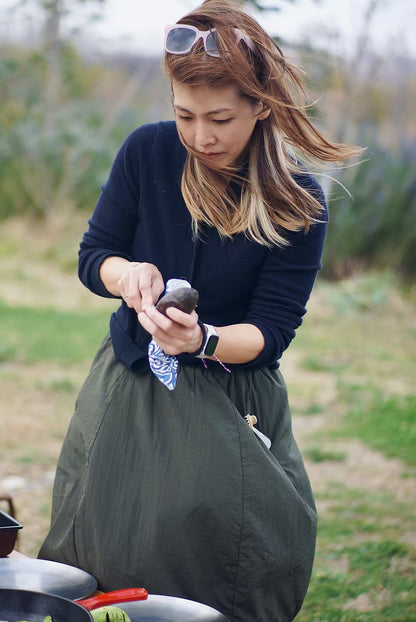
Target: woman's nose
(203, 136)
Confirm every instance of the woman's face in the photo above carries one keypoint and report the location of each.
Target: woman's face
(215, 122)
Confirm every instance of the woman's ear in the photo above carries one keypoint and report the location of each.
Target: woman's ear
(263, 114)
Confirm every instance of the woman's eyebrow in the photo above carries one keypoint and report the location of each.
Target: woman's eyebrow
(216, 111)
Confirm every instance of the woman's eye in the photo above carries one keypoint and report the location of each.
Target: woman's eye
(221, 121)
(183, 118)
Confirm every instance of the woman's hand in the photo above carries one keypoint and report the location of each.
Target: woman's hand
(140, 286)
(175, 333)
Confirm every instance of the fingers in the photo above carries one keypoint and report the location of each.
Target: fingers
(149, 288)
(180, 317)
(179, 325)
(150, 284)
(152, 320)
(176, 334)
(141, 285)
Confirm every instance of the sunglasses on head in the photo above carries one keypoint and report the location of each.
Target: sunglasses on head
(181, 38)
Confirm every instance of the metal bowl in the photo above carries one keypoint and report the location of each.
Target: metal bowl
(158, 608)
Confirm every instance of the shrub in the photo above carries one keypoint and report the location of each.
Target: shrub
(377, 228)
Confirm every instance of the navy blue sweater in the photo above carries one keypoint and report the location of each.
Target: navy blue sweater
(142, 216)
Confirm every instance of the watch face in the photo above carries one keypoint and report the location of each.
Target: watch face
(211, 345)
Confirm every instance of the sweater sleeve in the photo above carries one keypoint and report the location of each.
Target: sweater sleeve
(114, 220)
(283, 288)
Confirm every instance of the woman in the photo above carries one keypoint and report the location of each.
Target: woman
(167, 486)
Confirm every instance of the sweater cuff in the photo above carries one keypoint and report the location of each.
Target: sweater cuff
(92, 279)
(271, 352)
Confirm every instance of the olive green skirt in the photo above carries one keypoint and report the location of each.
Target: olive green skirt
(172, 490)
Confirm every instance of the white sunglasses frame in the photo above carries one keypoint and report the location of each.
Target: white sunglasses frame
(204, 34)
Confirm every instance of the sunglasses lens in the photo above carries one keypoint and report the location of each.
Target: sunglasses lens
(212, 45)
(180, 40)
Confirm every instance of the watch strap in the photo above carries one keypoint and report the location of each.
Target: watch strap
(204, 339)
(210, 338)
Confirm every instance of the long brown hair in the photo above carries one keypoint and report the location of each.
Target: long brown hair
(271, 200)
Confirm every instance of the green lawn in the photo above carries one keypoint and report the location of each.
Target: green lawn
(29, 335)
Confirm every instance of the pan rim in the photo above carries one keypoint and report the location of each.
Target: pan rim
(33, 594)
(86, 583)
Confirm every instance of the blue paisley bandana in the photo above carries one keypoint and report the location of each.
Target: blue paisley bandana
(165, 366)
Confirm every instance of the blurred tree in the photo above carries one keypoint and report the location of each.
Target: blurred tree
(54, 11)
(339, 78)
(45, 167)
(377, 229)
(51, 145)
(366, 98)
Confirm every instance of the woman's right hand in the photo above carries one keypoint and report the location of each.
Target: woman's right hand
(140, 285)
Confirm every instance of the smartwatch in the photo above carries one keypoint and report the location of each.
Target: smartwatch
(210, 340)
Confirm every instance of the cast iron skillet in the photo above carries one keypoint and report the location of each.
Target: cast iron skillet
(25, 605)
(18, 605)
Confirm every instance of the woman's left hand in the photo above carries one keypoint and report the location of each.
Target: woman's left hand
(175, 333)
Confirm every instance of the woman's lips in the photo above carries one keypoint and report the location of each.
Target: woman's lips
(212, 154)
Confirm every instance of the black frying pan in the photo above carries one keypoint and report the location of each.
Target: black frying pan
(16, 605)
(41, 575)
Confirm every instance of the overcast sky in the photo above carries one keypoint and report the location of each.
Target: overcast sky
(137, 25)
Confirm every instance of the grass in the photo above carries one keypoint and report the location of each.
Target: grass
(386, 423)
(30, 335)
(373, 375)
(359, 353)
(318, 454)
(362, 571)
(358, 333)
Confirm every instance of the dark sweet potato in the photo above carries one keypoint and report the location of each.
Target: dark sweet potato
(183, 298)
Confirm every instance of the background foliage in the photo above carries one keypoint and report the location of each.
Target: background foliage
(65, 113)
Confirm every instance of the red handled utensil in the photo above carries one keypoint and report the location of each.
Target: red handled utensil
(112, 598)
